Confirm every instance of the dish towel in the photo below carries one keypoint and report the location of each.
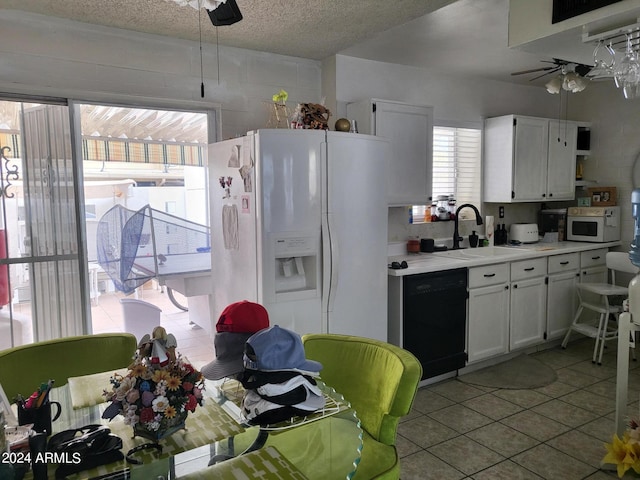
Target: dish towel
(230, 227)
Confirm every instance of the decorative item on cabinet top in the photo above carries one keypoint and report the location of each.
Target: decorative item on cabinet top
(603, 196)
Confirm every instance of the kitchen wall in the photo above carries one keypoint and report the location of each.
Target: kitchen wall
(56, 57)
(615, 145)
(49, 56)
(457, 101)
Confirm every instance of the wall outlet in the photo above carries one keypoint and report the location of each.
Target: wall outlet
(500, 212)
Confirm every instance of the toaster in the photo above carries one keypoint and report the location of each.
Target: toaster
(524, 232)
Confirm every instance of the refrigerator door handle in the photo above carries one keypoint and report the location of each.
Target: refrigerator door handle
(334, 266)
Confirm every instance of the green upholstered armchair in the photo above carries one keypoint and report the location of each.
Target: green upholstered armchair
(24, 368)
(380, 381)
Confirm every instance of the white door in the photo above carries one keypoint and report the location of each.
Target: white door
(355, 235)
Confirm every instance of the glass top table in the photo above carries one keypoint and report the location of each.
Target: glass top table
(323, 445)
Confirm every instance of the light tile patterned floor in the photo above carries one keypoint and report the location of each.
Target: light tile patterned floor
(557, 432)
(193, 341)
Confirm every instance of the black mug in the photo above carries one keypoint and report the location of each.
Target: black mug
(426, 245)
(40, 417)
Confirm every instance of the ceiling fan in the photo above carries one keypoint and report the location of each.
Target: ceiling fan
(557, 65)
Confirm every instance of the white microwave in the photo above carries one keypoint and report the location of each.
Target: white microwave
(593, 224)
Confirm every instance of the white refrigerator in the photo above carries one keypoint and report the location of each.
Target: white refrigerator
(299, 225)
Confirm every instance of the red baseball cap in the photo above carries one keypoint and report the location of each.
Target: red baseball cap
(243, 317)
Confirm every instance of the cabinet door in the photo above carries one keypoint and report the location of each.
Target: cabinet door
(598, 274)
(528, 302)
(530, 158)
(561, 169)
(488, 322)
(410, 129)
(561, 302)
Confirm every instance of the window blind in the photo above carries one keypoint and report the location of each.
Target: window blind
(456, 164)
(456, 167)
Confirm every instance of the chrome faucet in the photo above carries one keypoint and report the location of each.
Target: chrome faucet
(456, 234)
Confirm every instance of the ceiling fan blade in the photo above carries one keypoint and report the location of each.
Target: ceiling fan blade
(546, 73)
(541, 69)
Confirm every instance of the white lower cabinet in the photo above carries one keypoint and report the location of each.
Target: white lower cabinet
(593, 266)
(524, 303)
(528, 303)
(488, 325)
(564, 274)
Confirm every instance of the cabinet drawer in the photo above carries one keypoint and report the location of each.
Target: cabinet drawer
(488, 275)
(534, 267)
(592, 258)
(564, 263)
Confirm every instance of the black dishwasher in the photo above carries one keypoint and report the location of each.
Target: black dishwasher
(434, 319)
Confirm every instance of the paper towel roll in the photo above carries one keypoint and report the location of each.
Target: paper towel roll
(489, 228)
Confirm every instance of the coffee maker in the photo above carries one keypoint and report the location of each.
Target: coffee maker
(551, 224)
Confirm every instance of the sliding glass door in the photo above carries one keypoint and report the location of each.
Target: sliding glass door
(42, 283)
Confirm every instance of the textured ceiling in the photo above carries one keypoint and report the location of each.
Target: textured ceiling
(310, 29)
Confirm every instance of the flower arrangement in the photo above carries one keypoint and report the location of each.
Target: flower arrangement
(158, 391)
(624, 452)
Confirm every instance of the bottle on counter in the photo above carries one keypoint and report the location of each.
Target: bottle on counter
(410, 215)
(473, 239)
(503, 234)
(497, 236)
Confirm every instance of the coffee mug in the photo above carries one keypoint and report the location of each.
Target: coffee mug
(40, 417)
(426, 244)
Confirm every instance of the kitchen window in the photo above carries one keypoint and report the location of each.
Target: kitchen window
(456, 167)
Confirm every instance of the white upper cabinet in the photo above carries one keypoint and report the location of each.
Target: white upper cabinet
(528, 159)
(410, 129)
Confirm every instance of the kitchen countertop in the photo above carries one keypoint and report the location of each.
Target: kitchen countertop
(475, 257)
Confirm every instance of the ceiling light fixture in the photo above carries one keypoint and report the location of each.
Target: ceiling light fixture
(221, 12)
(208, 4)
(567, 80)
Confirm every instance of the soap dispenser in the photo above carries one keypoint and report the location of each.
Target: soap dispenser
(473, 239)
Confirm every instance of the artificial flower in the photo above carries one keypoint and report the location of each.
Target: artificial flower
(147, 398)
(160, 404)
(160, 374)
(125, 386)
(147, 415)
(132, 396)
(155, 397)
(192, 403)
(173, 383)
(624, 452)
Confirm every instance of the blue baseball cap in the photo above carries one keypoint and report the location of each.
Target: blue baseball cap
(276, 348)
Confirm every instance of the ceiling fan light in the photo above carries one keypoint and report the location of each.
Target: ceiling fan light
(554, 85)
(573, 82)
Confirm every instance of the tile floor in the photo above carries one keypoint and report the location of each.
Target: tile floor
(193, 341)
(459, 431)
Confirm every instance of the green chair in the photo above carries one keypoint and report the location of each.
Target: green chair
(24, 368)
(380, 381)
